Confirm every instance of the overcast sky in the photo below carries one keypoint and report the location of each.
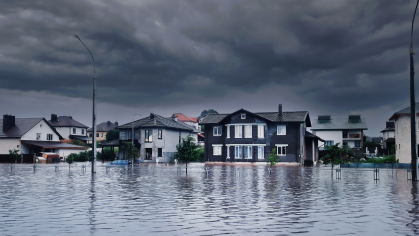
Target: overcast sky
(334, 57)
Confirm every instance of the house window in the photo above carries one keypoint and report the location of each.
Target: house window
(217, 150)
(160, 134)
(228, 131)
(217, 131)
(74, 130)
(101, 134)
(97, 135)
(329, 143)
(243, 116)
(248, 152)
(344, 134)
(345, 143)
(160, 152)
(228, 152)
(248, 131)
(149, 136)
(90, 135)
(49, 136)
(261, 131)
(238, 152)
(281, 150)
(357, 143)
(38, 136)
(40, 125)
(238, 131)
(261, 152)
(122, 135)
(281, 130)
(82, 131)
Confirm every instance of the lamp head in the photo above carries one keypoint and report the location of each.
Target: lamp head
(77, 37)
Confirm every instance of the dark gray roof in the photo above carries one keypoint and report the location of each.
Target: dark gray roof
(158, 121)
(22, 126)
(51, 144)
(405, 111)
(65, 121)
(294, 116)
(310, 135)
(103, 127)
(339, 123)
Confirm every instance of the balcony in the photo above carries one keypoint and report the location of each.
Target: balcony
(352, 137)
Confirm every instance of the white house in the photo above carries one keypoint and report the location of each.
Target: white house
(345, 131)
(156, 137)
(69, 128)
(402, 145)
(32, 136)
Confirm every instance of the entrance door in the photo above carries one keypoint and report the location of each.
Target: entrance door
(148, 154)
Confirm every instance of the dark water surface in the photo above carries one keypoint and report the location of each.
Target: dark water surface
(159, 200)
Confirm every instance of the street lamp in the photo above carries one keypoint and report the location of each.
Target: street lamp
(94, 108)
(132, 124)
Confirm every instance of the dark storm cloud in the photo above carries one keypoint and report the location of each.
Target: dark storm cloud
(343, 54)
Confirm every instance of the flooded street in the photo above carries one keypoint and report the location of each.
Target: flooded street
(242, 200)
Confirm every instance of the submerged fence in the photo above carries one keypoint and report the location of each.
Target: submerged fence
(376, 165)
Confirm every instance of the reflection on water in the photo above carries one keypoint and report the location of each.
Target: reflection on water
(160, 200)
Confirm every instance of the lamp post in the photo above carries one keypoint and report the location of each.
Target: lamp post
(94, 108)
(132, 123)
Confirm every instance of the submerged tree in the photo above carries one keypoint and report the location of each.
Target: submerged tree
(69, 160)
(15, 155)
(187, 151)
(273, 157)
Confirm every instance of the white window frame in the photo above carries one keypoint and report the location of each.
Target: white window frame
(38, 136)
(243, 116)
(238, 131)
(216, 131)
(216, 149)
(248, 150)
(238, 152)
(50, 137)
(261, 152)
(228, 152)
(248, 134)
(279, 147)
(332, 142)
(228, 131)
(261, 131)
(281, 130)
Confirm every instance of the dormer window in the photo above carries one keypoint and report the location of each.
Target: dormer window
(243, 116)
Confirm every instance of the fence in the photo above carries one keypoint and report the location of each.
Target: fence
(376, 165)
(6, 158)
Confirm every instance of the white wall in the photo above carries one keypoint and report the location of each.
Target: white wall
(328, 135)
(43, 128)
(9, 144)
(64, 131)
(403, 139)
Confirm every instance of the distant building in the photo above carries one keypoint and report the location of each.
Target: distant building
(345, 131)
(69, 128)
(32, 136)
(389, 137)
(101, 130)
(244, 136)
(401, 121)
(188, 120)
(156, 137)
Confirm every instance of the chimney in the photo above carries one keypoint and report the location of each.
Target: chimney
(109, 123)
(116, 123)
(8, 122)
(53, 117)
(151, 116)
(324, 117)
(280, 109)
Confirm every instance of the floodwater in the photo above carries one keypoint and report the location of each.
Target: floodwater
(242, 200)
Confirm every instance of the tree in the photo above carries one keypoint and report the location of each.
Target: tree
(187, 151)
(204, 113)
(77, 142)
(112, 135)
(131, 151)
(69, 160)
(273, 157)
(15, 155)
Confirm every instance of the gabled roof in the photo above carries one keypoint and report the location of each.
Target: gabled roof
(22, 126)
(103, 127)
(310, 135)
(52, 144)
(158, 121)
(339, 123)
(185, 118)
(286, 116)
(66, 121)
(405, 112)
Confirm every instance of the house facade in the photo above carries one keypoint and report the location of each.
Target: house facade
(101, 130)
(402, 133)
(345, 131)
(388, 138)
(244, 136)
(32, 136)
(69, 128)
(155, 136)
